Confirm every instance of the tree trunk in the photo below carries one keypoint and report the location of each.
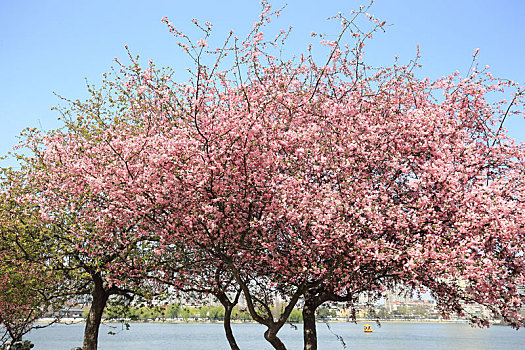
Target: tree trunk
(100, 298)
(227, 327)
(273, 327)
(314, 298)
(309, 327)
(271, 336)
(228, 307)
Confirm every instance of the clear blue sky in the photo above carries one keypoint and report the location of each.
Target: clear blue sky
(50, 46)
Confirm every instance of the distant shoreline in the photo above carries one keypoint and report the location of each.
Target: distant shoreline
(171, 321)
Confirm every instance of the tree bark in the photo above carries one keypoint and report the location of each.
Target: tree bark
(272, 326)
(100, 298)
(314, 298)
(309, 327)
(271, 336)
(227, 327)
(228, 307)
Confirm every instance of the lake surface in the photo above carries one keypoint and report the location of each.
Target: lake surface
(202, 336)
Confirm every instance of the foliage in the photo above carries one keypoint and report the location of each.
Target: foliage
(175, 311)
(28, 289)
(295, 316)
(324, 313)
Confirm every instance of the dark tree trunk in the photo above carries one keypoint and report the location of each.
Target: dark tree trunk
(271, 336)
(227, 327)
(228, 307)
(309, 327)
(100, 298)
(314, 298)
(267, 319)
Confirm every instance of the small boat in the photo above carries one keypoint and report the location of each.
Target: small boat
(368, 328)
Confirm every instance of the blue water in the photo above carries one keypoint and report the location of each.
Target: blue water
(398, 336)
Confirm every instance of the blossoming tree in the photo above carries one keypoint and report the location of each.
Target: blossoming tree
(28, 289)
(99, 248)
(294, 178)
(341, 178)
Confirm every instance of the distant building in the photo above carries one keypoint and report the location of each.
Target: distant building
(70, 313)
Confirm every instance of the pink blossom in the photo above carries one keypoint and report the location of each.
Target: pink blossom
(202, 43)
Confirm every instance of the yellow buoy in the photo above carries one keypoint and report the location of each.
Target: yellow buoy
(368, 328)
